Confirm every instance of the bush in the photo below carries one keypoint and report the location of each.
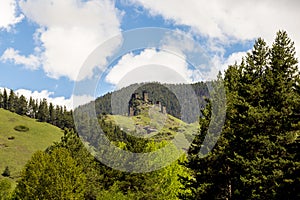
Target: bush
(11, 138)
(21, 128)
(6, 172)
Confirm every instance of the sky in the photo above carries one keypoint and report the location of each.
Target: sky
(58, 49)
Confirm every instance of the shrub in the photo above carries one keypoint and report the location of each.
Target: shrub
(6, 172)
(21, 128)
(11, 137)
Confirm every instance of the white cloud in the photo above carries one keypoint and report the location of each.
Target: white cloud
(221, 64)
(231, 19)
(150, 65)
(12, 55)
(235, 57)
(70, 30)
(61, 101)
(8, 14)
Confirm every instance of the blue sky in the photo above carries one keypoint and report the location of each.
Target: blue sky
(44, 44)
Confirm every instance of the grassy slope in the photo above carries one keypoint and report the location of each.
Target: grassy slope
(15, 153)
(165, 125)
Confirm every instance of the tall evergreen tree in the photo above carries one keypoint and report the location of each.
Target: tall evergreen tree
(31, 108)
(1, 99)
(51, 114)
(22, 107)
(256, 156)
(5, 99)
(43, 111)
(12, 101)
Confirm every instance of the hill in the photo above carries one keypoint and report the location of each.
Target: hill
(165, 93)
(150, 124)
(17, 147)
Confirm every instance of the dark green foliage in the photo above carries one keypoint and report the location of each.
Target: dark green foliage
(5, 100)
(43, 111)
(1, 99)
(51, 113)
(21, 107)
(12, 101)
(6, 172)
(21, 128)
(32, 108)
(5, 189)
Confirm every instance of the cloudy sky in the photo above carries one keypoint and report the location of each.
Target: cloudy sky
(44, 44)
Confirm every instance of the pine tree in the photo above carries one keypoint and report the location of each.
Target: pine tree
(59, 116)
(52, 114)
(1, 99)
(11, 103)
(5, 99)
(43, 111)
(22, 107)
(256, 156)
(31, 108)
(261, 126)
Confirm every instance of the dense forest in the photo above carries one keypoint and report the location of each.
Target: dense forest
(256, 156)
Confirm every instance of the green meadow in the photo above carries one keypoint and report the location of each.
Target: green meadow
(17, 147)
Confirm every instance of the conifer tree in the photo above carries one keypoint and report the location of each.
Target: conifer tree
(5, 99)
(31, 108)
(256, 156)
(1, 99)
(22, 107)
(51, 114)
(11, 103)
(43, 111)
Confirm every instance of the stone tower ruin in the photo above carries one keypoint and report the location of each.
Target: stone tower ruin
(145, 96)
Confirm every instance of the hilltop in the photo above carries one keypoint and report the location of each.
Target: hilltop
(164, 93)
(150, 124)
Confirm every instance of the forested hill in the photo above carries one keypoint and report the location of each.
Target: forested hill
(165, 93)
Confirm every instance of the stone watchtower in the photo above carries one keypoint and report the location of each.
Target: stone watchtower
(158, 104)
(135, 96)
(164, 109)
(145, 96)
(130, 111)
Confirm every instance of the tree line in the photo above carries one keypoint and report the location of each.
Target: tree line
(37, 109)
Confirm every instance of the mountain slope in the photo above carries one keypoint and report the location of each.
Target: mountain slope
(16, 147)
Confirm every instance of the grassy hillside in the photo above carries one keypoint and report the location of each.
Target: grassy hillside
(16, 147)
(151, 123)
